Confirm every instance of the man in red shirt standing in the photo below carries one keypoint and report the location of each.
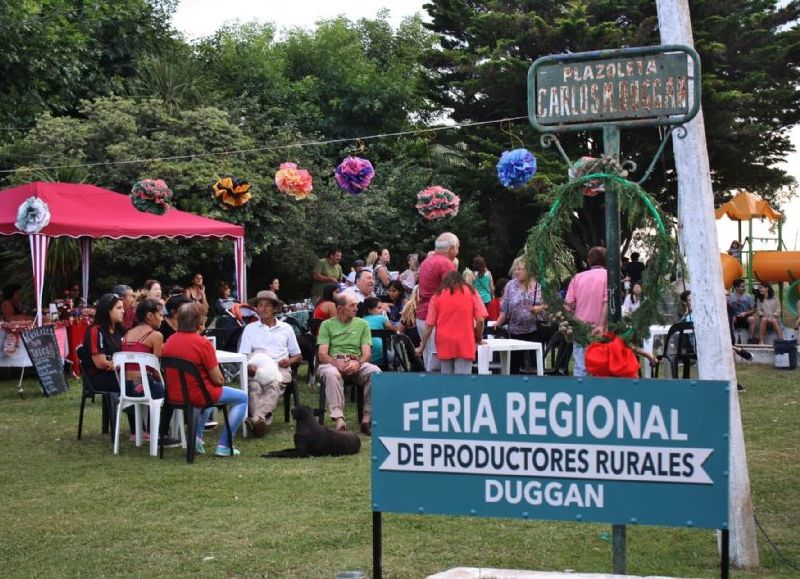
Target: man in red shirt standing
(431, 273)
(587, 298)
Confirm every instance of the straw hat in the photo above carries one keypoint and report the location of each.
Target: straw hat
(266, 295)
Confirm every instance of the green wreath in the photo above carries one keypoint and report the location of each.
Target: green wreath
(548, 257)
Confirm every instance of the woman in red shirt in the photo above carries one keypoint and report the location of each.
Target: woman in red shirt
(188, 344)
(325, 307)
(494, 306)
(457, 313)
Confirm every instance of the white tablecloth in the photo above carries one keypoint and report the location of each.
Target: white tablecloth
(20, 358)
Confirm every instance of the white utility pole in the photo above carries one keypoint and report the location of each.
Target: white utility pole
(698, 236)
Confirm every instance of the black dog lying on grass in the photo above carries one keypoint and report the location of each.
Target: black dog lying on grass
(313, 439)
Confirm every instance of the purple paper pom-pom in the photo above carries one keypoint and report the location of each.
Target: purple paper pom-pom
(354, 174)
(516, 167)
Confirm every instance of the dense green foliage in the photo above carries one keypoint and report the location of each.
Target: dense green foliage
(56, 52)
(105, 82)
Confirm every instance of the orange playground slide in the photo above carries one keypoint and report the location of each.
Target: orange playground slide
(776, 266)
(780, 266)
(731, 269)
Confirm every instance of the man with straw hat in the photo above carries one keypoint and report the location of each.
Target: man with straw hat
(277, 340)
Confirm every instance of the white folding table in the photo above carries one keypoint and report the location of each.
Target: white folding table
(505, 346)
(224, 357)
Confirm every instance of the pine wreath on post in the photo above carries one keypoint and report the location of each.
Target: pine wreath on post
(547, 254)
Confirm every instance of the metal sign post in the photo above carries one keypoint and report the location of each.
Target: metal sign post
(610, 90)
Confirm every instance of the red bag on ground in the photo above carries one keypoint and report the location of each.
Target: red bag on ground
(611, 357)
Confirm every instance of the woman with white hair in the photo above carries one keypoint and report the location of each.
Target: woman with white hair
(372, 257)
(522, 304)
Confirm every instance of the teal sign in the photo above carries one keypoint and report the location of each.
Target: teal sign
(618, 451)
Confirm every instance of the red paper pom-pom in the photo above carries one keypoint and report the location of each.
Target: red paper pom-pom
(437, 202)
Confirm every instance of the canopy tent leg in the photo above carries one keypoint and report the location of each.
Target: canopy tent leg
(241, 270)
(86, 256)
(39, 245)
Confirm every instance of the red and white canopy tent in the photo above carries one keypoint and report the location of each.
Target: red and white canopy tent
(87, 212)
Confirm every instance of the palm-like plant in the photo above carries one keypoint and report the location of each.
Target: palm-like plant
(177, 83)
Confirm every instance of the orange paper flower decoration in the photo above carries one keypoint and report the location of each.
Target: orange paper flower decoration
(293, 181)
(232, 191)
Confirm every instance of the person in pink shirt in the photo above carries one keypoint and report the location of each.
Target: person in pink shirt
(587, 298)
(457, 312)
(431, 274)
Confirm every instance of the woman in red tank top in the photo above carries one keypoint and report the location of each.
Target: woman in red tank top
(144, 337)
(325, 307)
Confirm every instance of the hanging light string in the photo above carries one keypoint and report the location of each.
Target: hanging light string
(266, 148)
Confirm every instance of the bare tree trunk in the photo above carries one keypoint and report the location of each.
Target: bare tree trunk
(697, 230)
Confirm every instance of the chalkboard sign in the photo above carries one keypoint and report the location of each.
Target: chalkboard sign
(43, 351)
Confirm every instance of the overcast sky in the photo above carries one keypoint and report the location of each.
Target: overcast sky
(197, 18)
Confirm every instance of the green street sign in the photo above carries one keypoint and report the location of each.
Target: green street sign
(631, 87)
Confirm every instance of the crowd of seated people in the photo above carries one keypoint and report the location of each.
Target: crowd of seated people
(442, 311)
(171, 328)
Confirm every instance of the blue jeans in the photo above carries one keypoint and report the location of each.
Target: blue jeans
(156, 388)
(237, 401)
(578, 355)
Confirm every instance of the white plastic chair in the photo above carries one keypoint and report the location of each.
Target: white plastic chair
(147, 365)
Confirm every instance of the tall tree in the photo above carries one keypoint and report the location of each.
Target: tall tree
(56, 52)
(478, 72)
(343, 79)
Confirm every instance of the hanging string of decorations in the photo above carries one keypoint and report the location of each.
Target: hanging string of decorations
(232, 191)
(548, 256)
(151, 196)
(293, 181)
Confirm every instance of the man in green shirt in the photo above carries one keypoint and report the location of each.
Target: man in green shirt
(345, 349)
(327, 270)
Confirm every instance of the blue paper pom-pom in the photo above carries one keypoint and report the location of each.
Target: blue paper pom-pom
(516, 167)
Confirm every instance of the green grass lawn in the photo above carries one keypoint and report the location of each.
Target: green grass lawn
(73, 508)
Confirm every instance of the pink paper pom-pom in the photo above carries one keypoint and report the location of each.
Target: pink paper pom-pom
(293, 181)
